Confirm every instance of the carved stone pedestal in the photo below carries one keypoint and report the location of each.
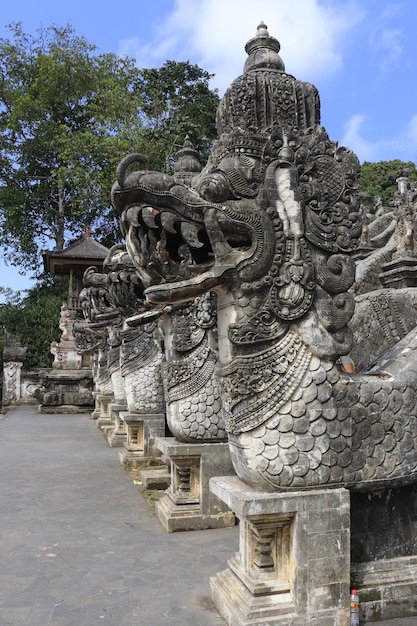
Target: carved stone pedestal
(384, 552)
(188, 503)
(116, 434)
(97, 408)
(103, 402)
(142, 432)
(399, 273)
(293, 565)
(387, 588)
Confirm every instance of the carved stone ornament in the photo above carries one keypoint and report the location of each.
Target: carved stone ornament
(270, 226)
(141, 359)
(123, 283)
(192, 390)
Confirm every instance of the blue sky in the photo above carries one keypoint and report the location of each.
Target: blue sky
(360, 54)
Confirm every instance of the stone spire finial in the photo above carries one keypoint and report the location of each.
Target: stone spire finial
(187, 162)
(265, 97)
(263, 51)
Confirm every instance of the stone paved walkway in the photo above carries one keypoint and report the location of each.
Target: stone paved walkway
(79, 545)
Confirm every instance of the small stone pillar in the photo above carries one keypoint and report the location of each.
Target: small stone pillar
(142, 432)
(293, 564)
(188, 503)
(13, 357)
(103, 401)
(116, 432)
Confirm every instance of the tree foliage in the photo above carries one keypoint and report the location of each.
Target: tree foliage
(34, 318)
(177, 101)
(67, 116)
(380, 178)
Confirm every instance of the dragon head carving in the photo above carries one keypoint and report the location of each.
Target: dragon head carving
(273, 214)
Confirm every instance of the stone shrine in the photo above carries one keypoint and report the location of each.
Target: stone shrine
(67, 387)
(271, 225)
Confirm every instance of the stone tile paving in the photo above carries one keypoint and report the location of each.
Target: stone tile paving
(78, 543)
(80, 546)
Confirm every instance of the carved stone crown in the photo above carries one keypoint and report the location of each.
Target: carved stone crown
(265, 97)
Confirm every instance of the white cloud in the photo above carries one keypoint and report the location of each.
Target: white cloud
(392, 10)
(387, 39)
(354, 140)
(213, 33)
(403, 145)
(389, 45)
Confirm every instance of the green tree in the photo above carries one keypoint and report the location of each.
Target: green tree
(380, 178)
(33, 319)
(67, 117)
(177, 101)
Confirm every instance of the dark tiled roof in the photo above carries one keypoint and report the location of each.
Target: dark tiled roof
(78, 256)
(85, 248)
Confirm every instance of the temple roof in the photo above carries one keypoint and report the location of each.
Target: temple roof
(77, 256)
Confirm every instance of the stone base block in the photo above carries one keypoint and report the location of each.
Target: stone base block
(238, 606)
(104, 422)
(293, 564)
(159, 479)
(399, 273)
(95, 414)
(116, 436)
(188, 503)
(116, 439)
(387, 588)
(132, 458)
(102, 409)
(107, 426)
(64, 409)
(142, 432)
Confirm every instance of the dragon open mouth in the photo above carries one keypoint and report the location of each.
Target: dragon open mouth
(175, 237)
(178, 258)
(167, 246)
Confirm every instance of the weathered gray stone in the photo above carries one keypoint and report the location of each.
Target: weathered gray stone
(158, 479)
(272, 225)
(142, 432)
(188, 503)
(290, 569)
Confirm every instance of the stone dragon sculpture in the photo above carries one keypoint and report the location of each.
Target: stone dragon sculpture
(141, 357)
(192, 390)
(269, 225)
(91, 333)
